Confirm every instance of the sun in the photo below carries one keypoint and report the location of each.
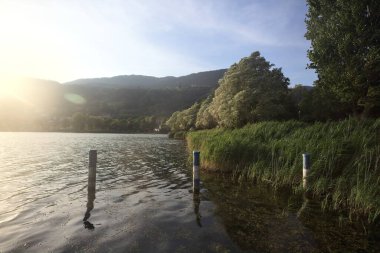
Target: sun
(9, 86)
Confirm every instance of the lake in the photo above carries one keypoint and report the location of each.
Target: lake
(144, 203)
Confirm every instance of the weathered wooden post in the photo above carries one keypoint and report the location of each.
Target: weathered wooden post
(306, 168)
(92, 170)
(196, 164)
(90, 188)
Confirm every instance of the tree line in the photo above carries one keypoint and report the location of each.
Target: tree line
(81, 122)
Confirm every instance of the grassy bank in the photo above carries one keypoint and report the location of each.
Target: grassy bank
(345, 156)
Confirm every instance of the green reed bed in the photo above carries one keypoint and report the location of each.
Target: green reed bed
(345, 170)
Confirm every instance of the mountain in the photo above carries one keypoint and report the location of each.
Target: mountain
(137, 95)
(201, 79)
(121, 103)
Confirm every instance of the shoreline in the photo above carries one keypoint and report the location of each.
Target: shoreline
(84, 132)
(345, 159)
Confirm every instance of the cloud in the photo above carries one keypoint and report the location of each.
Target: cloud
(259, 22)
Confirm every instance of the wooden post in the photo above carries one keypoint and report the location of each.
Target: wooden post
(305, 169)
(92, 170)
(196, 178)
(90, 188)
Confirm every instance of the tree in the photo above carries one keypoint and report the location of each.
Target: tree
(79, 121)
(183, 120)
(316, 104)
(345, 50)
(250, 91)
(205, 119)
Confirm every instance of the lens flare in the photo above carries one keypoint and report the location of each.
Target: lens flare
(75, 98)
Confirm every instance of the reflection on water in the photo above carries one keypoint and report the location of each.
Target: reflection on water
(142, 199)
(145, 203)
(90, 206)
(197, 202)
(90, 200)
(263, 220)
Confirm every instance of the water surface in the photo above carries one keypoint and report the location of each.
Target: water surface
(143, 202)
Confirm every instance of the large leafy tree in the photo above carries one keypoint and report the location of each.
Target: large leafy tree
(316, 104)
(205, 119)
(183, 120)
(345, 50)
(251, 90)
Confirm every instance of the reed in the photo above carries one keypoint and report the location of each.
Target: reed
(345, 158)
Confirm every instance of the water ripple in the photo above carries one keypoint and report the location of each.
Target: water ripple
(44, 182)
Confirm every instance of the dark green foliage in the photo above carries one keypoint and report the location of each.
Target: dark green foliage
(79, 122)
(179, 135)
(122, 102)
(345, 52)
(345, 158)
(316, 104)
(86, 123)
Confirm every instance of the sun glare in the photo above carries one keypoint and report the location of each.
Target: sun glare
(9, 86)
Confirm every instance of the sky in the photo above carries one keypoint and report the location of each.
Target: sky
(64, 40)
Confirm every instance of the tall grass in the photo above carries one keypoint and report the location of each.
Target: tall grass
(345, 170)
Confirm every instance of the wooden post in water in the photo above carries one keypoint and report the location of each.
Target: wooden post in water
(306, 168)
(196, 178)
(92, 171)
(90, 188)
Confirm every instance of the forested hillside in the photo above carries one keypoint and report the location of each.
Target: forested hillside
(117, 104)
(202, 79)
